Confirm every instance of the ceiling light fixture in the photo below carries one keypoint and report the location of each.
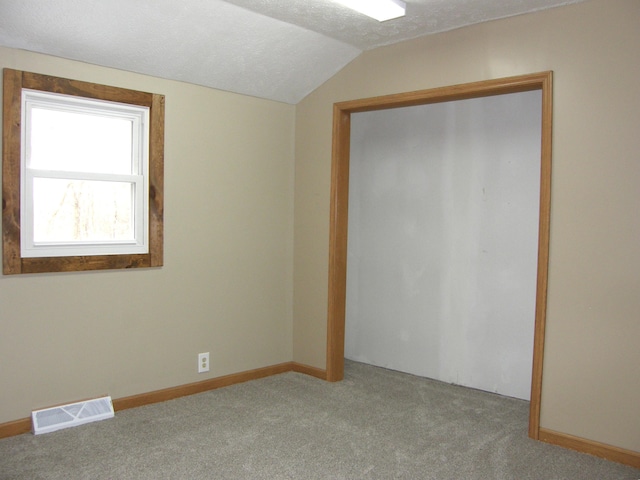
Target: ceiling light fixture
(381, 10)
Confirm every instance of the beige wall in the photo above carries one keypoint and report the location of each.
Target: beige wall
(225, 286)
(591, 384)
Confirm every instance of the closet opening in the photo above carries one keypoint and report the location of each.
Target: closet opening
(343, 111)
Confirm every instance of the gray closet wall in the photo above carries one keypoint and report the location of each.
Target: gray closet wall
(442, 246)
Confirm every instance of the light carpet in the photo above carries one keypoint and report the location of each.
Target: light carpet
(376, 424)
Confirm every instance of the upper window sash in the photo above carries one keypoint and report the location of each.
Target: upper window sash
(135, 116)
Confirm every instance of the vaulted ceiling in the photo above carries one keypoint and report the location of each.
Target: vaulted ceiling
(274, 49)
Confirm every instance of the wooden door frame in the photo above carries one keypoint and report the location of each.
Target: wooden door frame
(340, 204)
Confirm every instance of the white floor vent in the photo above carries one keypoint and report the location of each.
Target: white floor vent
(65, 416)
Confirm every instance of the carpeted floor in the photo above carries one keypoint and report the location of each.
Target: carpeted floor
(376, 424)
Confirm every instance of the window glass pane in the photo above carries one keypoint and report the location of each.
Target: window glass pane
(82, 210)
(81, 142)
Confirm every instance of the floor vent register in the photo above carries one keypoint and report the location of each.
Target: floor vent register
(71, 415)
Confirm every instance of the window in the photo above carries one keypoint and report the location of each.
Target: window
(82, 175)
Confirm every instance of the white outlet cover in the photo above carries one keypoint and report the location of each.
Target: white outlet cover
(203, 362)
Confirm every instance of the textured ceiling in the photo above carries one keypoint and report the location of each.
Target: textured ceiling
(275, 49)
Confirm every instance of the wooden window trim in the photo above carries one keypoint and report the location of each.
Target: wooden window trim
(12, 262)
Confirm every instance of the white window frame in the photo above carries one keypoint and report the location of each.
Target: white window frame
(139, 177)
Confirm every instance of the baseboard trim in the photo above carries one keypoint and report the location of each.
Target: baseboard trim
(16, 427)
(199, 387)
(309, 370)
(608, 452)
(23, 425)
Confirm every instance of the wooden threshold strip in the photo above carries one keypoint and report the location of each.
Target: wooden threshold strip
(23, 425)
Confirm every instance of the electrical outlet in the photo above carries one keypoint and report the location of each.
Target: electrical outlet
(203, 362)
